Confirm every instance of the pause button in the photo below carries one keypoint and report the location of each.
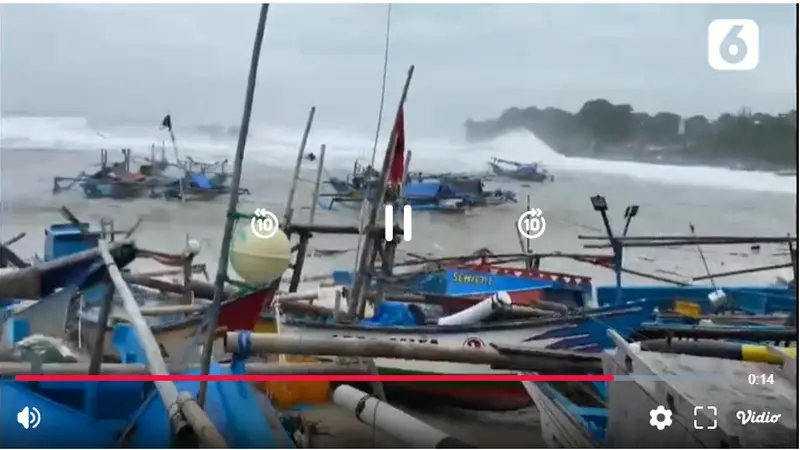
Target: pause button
(388, 223)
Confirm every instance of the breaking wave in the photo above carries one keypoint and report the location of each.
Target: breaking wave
(278, 146)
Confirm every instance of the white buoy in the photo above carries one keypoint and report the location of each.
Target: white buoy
(257, 260)
(392, 421)
(478, 312)
(193, 247)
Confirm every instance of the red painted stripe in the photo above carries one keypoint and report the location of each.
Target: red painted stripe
(341, 378)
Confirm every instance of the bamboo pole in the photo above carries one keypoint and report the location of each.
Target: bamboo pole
(222, 264)
(558, 361)
(742, 271)
(11, 369)
(155, 362)
(200, 288)
(102, 323)
(287, 214)
(368, 251)
(206, 432)
(675, 243)
(168, 310)
(26, 283)
(320, 167)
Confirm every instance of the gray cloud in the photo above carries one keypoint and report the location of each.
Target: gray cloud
(134, 62)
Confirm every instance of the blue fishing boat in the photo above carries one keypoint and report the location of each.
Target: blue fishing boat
(113, 414)
(189, 180)
(533, 172)
(444, 194)
(694, 301)
(458, 288)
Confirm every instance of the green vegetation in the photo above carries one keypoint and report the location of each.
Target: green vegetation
(604, 130)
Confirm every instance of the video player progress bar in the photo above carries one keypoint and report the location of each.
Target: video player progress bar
(381, 378)
(388, 223)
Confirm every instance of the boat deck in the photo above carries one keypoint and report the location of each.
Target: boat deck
(694, 388)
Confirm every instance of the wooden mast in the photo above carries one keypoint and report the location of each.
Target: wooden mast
(222, 264)
(366, 259)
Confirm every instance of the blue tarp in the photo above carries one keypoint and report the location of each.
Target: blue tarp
(395, 314)
(201, 181)
(421, 189)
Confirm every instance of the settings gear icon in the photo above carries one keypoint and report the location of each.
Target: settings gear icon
(660, 417)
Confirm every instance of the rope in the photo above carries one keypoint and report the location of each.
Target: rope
(365, 202)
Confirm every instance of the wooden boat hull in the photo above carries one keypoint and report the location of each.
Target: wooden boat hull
(47, 316)
(536, 177)
(468, 284)
(240, 313)
(560, 428)
(581, 332)
(113, 189)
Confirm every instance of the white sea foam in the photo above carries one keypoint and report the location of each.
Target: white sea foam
(278, 146)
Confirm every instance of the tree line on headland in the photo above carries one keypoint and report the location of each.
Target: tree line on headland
(604, 130)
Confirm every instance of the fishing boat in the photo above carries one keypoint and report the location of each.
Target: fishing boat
(191, 180)
(583, 331)
(174, 332)
(533, 172)
(186, 180)
(115, 181)
(460, 287)
(130, 414)
(597, 414)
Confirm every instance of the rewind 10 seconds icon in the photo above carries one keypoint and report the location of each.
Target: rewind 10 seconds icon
(733, 44)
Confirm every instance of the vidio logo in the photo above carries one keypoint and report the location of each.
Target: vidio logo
(733, 44)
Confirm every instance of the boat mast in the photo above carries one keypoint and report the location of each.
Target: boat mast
(222, 264)
(366, 258)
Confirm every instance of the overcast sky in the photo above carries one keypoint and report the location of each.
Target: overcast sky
(135, 62)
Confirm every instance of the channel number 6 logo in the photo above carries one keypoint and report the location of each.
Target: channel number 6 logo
(733, 44)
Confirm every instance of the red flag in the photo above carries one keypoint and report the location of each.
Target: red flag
(397, 169)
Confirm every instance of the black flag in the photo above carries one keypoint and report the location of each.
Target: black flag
(167, 122)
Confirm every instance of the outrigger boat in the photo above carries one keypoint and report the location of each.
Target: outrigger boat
(185, 181)
(238, 312)
(115, 181)
(442, 194)
(518, 171)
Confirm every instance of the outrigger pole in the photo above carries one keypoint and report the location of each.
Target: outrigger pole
(233, 200)
(180, 406)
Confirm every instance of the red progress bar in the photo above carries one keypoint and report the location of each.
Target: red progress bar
(351, 378)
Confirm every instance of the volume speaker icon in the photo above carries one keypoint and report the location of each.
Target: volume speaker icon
(29, 417)
(388, 223)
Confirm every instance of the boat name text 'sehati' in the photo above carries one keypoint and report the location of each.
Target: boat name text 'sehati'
(468, 278)
(751, 416)
(392, 339)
